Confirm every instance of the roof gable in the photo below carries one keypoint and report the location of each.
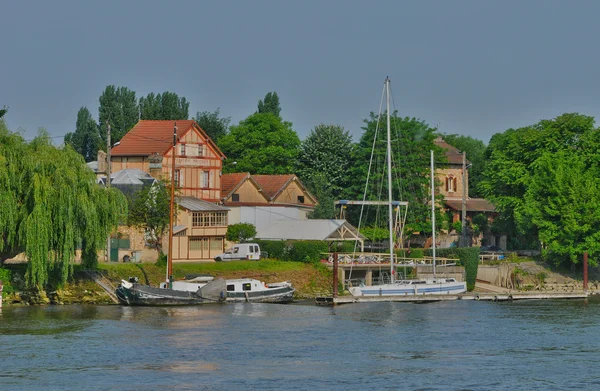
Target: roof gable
(156, 136)
(231, 182)
(273, 184)
(453, 154)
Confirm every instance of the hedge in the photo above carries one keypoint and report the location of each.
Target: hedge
(467, 256)
(295, 250)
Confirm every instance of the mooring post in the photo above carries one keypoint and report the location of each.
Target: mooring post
(335, 274)
(585, 271)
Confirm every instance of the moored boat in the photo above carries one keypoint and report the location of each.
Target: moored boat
(132, 293)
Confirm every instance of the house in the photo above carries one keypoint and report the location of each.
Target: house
(263, 199)
(452, 182)
(148, 147)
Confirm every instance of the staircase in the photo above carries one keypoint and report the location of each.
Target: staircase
(104, 283)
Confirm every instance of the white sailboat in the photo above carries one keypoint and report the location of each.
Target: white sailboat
(430, 286)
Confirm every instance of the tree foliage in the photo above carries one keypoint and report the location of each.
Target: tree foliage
(327, 153)
(3, 111)
(50, 205)
(240, 232)
(86, 138)
(261, 144)
(516, 162)
(475, 150)
(118, 106)
(215, 126)
(319, 187)
(165, 106)
(149, 210)
(412, 139)
(270, 104)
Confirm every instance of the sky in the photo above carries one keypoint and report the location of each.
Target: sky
(465, 66)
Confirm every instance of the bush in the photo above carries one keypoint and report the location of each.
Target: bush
(240, 232)
(457, 226)
(467, 256)
(275, 248)
(307, 251)
(410, 253)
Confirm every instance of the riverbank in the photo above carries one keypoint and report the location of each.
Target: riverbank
(310, 280)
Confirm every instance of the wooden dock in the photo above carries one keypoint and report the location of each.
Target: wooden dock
(476, 296)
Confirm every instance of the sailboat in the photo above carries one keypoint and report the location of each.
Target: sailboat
(204, 290)
(407, 287)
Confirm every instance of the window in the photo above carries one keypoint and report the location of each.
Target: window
(200, 150)
(451, 184)
(247, 286)
(182, 149)
(216, 244)
(205, 179)
(209, 219)
(178, 178)
(300, 199)
(235, 197)
(195, 244)
(230, 288)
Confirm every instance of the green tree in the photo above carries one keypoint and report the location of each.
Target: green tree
(50, 205)
(86, 138)
(270, 104)
(3, 111)
(165, 106)
(327, 153)
(118, 106)
(318, 185)
(412, 139)
(215, 126)
(510, 160)
(149, 210)
(240, 232)
(261, 144)
(475, 150)
(563, 202)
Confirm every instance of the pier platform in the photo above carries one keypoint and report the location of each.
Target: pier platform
(476, 296)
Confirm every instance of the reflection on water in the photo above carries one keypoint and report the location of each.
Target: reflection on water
(438, 346)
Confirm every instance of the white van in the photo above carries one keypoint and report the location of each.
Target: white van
(250, 251)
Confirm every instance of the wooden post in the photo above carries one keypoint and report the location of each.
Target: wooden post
(335, 274)
(585, 271)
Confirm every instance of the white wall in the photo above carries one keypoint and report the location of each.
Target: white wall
(264, 215)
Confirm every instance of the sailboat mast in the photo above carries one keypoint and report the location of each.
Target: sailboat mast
(172, 209)
(389, 172)
(433, 213)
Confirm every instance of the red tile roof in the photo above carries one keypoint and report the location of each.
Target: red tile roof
(147, 137)
(272, 184)
(230, 182)
(473, 205)
(453, 154)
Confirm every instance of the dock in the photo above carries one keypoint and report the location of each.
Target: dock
(475, 296)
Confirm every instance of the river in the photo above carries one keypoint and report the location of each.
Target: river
(460, 345)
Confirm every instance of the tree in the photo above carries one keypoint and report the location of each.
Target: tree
(318, 185)
(3, 111)
(86, 138)
(214, 126)
(165, 106)
(412, 141)
(149, 210)
(118, 106)
(327, 153)
(270, 104)
(261, 144)
(240, 232)
(510, 161)
(50, 205)
(475, 150)
(563, 202)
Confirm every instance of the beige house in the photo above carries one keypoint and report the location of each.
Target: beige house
(201, 223)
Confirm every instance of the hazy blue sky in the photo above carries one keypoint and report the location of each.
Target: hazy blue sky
(470, 67)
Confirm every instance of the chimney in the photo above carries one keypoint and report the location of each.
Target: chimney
(101, 162)
(155, 161)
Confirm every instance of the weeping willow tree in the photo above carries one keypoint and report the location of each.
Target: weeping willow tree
(50, 206)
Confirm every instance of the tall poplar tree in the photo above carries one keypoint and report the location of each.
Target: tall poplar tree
(215, 126)
(119, 107)
(165, 106)
(86, 138)
(270, 104)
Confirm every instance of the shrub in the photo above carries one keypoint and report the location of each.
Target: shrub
(274, 248)
(307, 251)
(6, 278)
(240, 232)
(467, 256)
(457, 226)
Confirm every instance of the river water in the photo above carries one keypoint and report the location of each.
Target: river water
(459, 345)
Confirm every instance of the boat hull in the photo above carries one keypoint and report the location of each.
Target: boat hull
(272, 295)
(402, 289)
(134, 294)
